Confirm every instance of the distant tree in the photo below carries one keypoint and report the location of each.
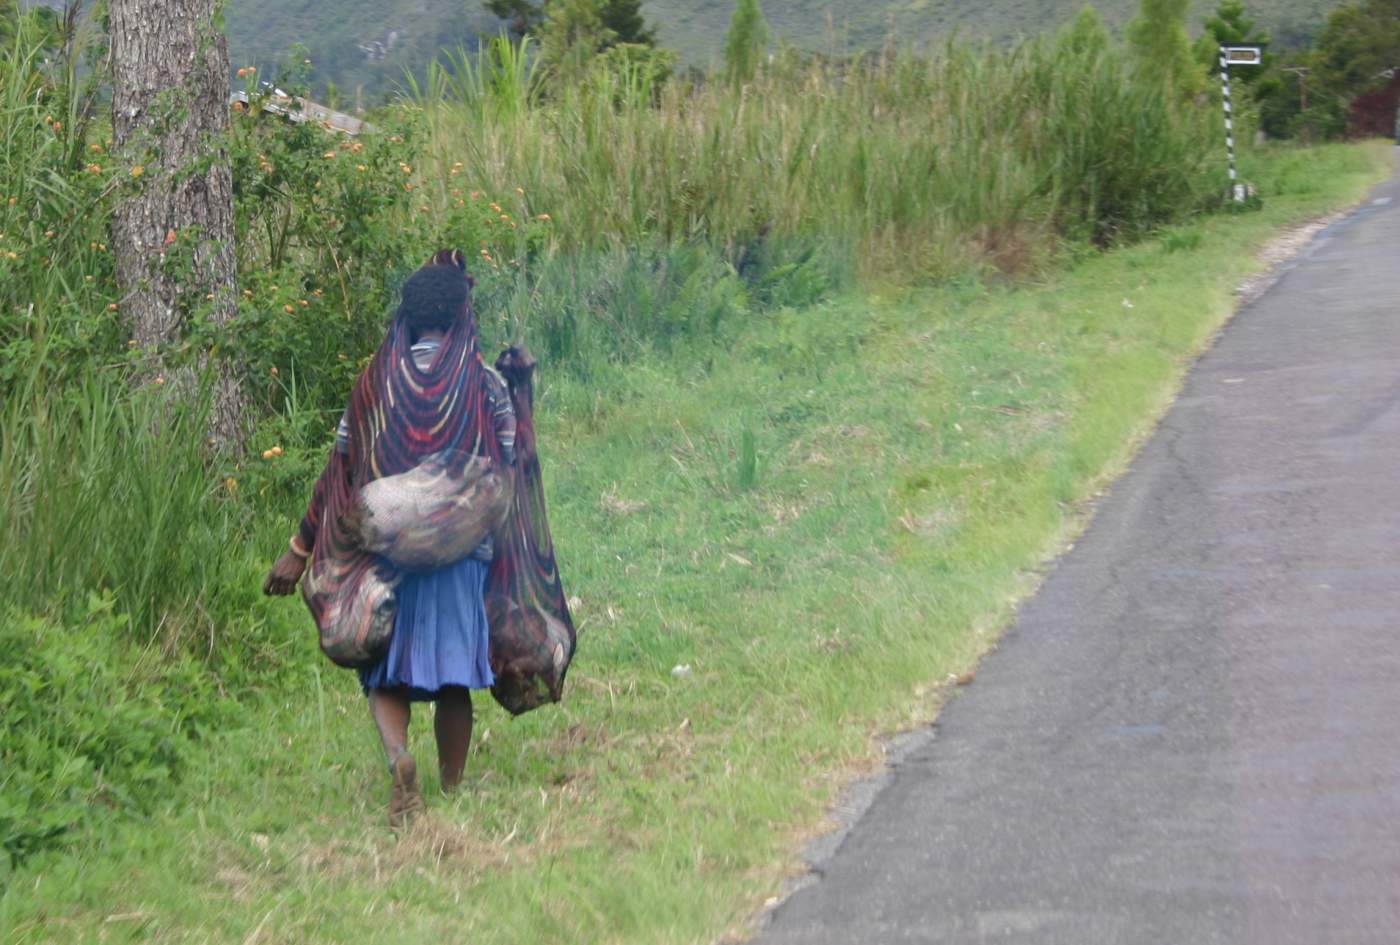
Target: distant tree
(571, 37)
(41, 18)
(578, 36)
(1161, 47)
(746, 41)
(1356, 54)
(522, 17)
(1229, 26)
(1087, 35)
(624, 19)
(1358, 43)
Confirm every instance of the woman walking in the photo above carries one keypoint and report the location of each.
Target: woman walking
(426, 391)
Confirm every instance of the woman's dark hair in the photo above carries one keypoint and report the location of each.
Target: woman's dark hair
(434, 297)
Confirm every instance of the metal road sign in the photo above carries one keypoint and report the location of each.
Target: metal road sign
(1243, 55)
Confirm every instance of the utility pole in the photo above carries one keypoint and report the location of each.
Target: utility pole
(1302, 73)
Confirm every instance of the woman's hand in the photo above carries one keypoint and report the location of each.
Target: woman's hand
(283, 577)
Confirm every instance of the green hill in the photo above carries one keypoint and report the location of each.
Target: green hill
(697, 27)
(367, 44)
(362, 46)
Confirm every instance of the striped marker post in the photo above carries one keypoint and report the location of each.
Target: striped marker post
(1236, 192)
(1243, 55)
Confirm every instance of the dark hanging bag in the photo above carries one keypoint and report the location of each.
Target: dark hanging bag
(532, 634)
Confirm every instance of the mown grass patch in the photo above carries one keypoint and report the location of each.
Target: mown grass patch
(824, 520)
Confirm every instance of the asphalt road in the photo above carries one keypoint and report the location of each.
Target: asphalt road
(1192, 732)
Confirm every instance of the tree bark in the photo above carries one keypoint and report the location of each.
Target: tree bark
(172, 235)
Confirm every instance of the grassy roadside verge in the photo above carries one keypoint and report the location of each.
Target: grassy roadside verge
(823, 522)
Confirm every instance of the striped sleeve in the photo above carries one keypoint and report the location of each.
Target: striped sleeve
(502, 415)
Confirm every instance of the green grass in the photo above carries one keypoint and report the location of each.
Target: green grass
(824, 518)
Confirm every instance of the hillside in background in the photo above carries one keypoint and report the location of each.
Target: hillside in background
(367, 44)
(697, 27)
(361, 46)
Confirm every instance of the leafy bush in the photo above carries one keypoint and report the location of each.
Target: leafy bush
(87, 724)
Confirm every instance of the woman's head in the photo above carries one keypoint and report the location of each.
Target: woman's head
(437, 295)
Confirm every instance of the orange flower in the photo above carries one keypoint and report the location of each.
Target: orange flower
(289, 309)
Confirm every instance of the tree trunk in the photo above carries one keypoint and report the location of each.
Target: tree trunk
(173, 234)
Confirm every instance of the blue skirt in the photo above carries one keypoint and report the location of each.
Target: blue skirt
(440, 635)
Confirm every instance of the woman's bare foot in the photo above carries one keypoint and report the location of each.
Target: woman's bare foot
(405, 801)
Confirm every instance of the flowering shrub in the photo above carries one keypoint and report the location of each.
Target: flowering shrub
(328, 226)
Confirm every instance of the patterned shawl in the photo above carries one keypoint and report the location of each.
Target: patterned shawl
(398, 415)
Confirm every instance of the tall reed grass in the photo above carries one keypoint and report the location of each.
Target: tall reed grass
(919, 166)
(55, 271)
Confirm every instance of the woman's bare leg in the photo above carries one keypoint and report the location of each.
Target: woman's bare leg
(453, 727)
(391, 711)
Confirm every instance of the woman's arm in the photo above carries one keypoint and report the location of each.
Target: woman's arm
(287, 570)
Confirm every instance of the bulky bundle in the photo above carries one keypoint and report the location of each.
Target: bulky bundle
(435, 514)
